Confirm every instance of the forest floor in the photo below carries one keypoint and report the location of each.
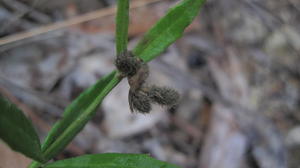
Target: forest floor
(236, 68)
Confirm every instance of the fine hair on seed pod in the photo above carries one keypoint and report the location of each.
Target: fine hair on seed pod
(163, 95)
(127, 63)
(139, 102)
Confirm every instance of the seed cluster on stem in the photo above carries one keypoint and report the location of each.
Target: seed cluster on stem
(140, 95)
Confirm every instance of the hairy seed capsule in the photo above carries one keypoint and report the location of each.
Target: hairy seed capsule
(139, 102)
(163, 95)
(127, 63)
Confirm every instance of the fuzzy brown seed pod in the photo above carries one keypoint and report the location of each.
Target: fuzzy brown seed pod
(128, 64)
(141, 97)
(163, 95)
(139, 102)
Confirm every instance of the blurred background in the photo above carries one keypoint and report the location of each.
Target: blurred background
(236, 68)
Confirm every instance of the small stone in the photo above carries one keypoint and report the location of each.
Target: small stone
(282, 45)
(293, 137)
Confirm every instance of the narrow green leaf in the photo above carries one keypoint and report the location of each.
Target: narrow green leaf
(167, 29)
(111, 160)
(76, 115)
(17, 131)
(122, 21)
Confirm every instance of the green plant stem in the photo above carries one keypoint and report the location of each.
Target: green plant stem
(122, 22)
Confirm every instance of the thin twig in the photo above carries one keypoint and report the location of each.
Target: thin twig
(73, 21)
(24, 9)
(187, 127)
(38, 100)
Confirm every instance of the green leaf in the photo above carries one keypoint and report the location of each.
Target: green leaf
(167, 29)
(111, 160)
(122, 21)
(77, 114)
(17, 131)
